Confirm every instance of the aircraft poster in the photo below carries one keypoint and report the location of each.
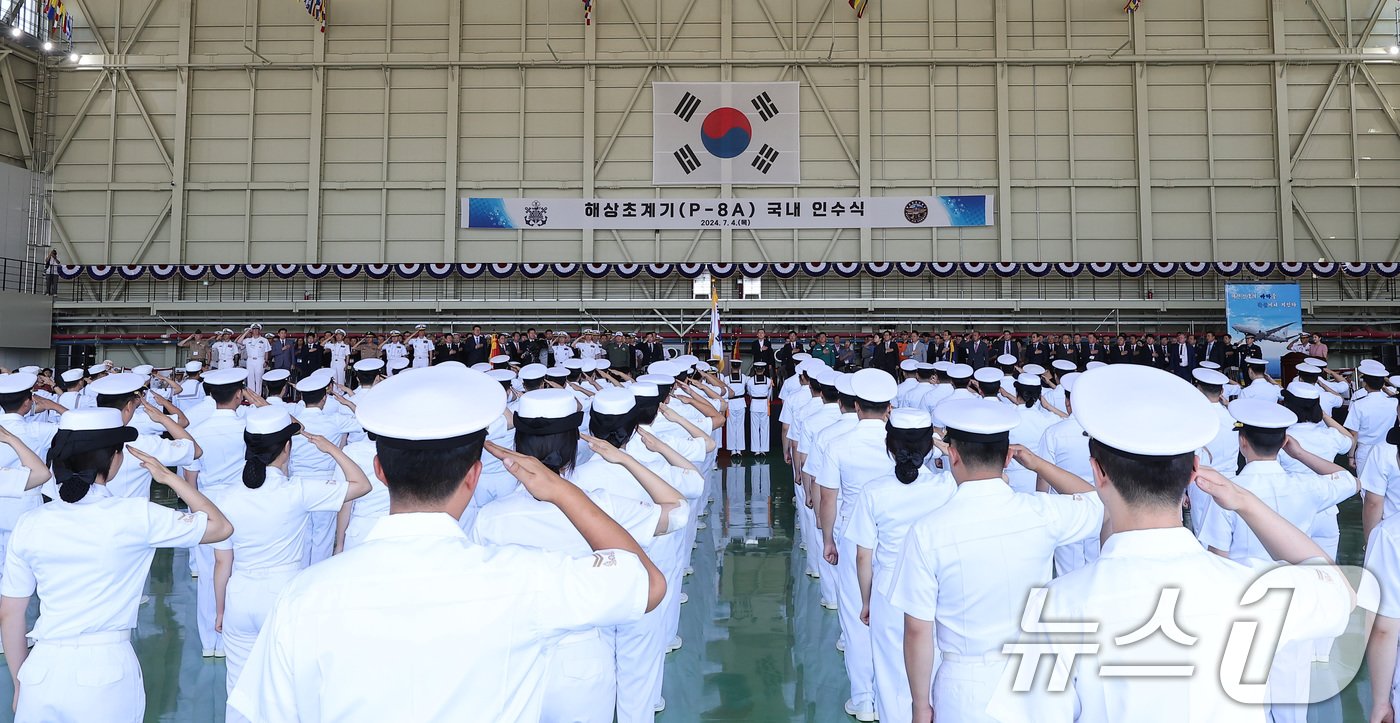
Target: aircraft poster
(1273, 313)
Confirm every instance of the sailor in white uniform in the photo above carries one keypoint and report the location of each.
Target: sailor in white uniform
(19, 435)
(909, 380)
(71, 382)
(470, 626)
(309, 462)
(421, 346)
(225, 350)
(87, 555)
(968, 566)
(269, 512)
(1145, 426)
(1321, 435)
(1035, 419)
(884, 511)
(340, 355)
(1065, 445)
(1370, 416)
(1260, 385)
(255, 348)
(191, 388)
(394, 350)
(758, 388)
(735, 436)
(275, 382)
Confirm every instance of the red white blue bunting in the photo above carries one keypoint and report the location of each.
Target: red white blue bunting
(877, 269)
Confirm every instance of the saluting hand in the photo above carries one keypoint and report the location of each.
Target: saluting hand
(159, 472)
(605, 449)
(541, 483)
(319, 442)
(1227, 494)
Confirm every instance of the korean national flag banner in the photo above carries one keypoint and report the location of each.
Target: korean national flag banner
(706, 134)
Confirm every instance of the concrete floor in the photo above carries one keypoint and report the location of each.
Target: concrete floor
(758, 647)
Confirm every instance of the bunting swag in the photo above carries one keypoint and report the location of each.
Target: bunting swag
(877, 269)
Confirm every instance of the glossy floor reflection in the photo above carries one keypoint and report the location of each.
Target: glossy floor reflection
(757, 645)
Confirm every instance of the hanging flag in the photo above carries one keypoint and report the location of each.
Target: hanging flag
(587, 12)
(317, 10)
(716, 344)
(859, 7)
(707, 134)
(60, 21)
(1132, 6)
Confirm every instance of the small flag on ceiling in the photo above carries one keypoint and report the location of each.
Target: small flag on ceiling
(317, 9)
(60, 21)
(1132, 6)
(859, 7)
(587, 12)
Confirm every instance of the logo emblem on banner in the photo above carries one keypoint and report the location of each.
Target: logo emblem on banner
(706, 134)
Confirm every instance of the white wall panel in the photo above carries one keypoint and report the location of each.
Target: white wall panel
(1174, 112)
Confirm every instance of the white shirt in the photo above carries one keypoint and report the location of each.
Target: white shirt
(849, 465)
(308, 462)
(38, 436)
(255, 349)
(88, 560)
(422, 348)
(270, 522)
(220, 436)
(886, 509)
(823, 439)
(1260, 389)
(224, 352)
(1225, 448)
(737, 390)
(600, 474)
(460, 632)
(520, 519)
(340, 352)
(1121, 590)
(132, 480)
(930, 399)
(1371, 417)
(902, 391)
(1296, 497)
(1380, 475)
(758, 389)
(367, 510)
(394, 350)
(820, 418)
(1317, 438)
(1065, 444)
(969, 565)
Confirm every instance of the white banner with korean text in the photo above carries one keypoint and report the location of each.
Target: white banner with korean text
(749, 213)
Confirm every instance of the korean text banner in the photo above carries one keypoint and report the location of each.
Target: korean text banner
(749, 213)
(1273, 313)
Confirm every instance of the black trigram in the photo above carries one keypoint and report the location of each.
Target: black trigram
(765, 107)
(765, 159)
(687, 107)
(686, 157)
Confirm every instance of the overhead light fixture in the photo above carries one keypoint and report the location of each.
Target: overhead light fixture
(15, 32)
(73, 57)
(1395, 50)
(48, 46)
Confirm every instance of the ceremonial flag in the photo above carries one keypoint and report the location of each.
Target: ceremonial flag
(587, 12)
(1132, 6)
(317, 10)
(707, 134)
(859, 7)
(716, 344)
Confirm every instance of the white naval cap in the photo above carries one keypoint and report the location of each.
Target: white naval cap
(909, 365)
(420, 326)
(482, 367)
(92, 420)
(398, 364)
(395, 332)
(925, 367)
(276, 375)
(73, 375)
(910, 418)
(365, 365)
(703, 366)
(1064, 365)
(960, 371)
(452, 363)
(687, 360)
(1141, 410)
(501, 375)
(874, 385)
(1303, 390)
(1094, 365)
(589, 366)
(31, 369)
(1068, 381)
(314, 382)
(557, 373)
(500, 359)
(603, 364)
(220, 377)
(827, 377)
(810, 366)
(97, 369)
(1307, 369)
(801, 356)
(547, 404)
(977, 420)
(1209, 365)
(614, 400)
(1372, 368)
(1254, 360)
(533, 371)
(1209, 376)
(268, 420)
(193, 367)
(659, 380)
(1007, 360)
(1319, 363)
(1262, 413)
(340, 331)
(143, 369)
(988, 375)
(576, 363)
(1028, 380)
(942, 366)
(1394, 381)
(1033, 369)
(844, 385)
(123, 383)
(434, 408)
(17, 382)
(255, 325)
(640, 388)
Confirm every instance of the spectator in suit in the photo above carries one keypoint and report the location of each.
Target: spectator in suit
(918, 348)
(449, 348)
(1119, 352)
(978, 351)
(478, 347)
(284, 351)
(761, 349)
(1066, 349)
(1007, 345)
(1182, 357)
(652, 349)
(1163, 353)
(1092, 350)
(1038, 352)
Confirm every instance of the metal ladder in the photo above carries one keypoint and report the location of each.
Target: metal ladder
(38, 238)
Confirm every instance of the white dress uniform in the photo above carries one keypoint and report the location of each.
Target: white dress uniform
(495, 481)
(1034, 421)
(132, 480)
(88, 561)
(736, 422)
(833, 433)
(1370, 417)
(581, 682)
(1326, 443)
(816, 418)
(1383, 560)
(1381, 476)
(37, 436)
(1298, 498)
(255, 351)
(1260, 389)
(422, 348)
(393, 350)
(221, 466)
(1066, 445)
(847, 467)
(340, 356)
(223, 353)
(760, 435)
(307, 462)
(883, 514)
(968, 567)
(561, 353)
(367, 510)
(191, 394)
(270, 535)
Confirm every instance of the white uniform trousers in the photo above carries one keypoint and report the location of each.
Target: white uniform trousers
(641, 652)
(892, 700)
(1325, 531)
(1363, 452)
(223, 364)
(322, 542)
(812, 538)
(859, 657)
(760, 435)
(1291, 677)
(247, 601)
(734, 440)
(93, 677)
(1075, 555)
(255, 373)
(338, 371)
(419, 362)
(964, 686)
(204, 603)
(581, 680)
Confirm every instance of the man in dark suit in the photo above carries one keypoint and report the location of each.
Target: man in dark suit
(1119, 352)
(1163, 354)
(1007, 345)
(478, 347)
(1038, 352)
(1213, 350)
(1182, 357)
(1091, 350)
(979, 353)
(761, 349)
(1065, 349)
(449, 348)
(652, 349)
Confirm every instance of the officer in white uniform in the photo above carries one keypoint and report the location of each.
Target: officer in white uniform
(394, 349)
(1260, 386)
(17, 401)
(87, 554)
(309, 462)
(220, 437)
(1319, 434)
(735, 437)
(224, 351)
(884, 511)
(269, 512)
(1035, 419)
(421, 346)
(848, 466)
(470, 626)
(1370, 416)
(1146, 425)
(255, 350)
(759, 387)
(968, 566)
(340, 355)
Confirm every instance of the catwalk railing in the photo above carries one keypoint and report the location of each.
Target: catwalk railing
(22, 276)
